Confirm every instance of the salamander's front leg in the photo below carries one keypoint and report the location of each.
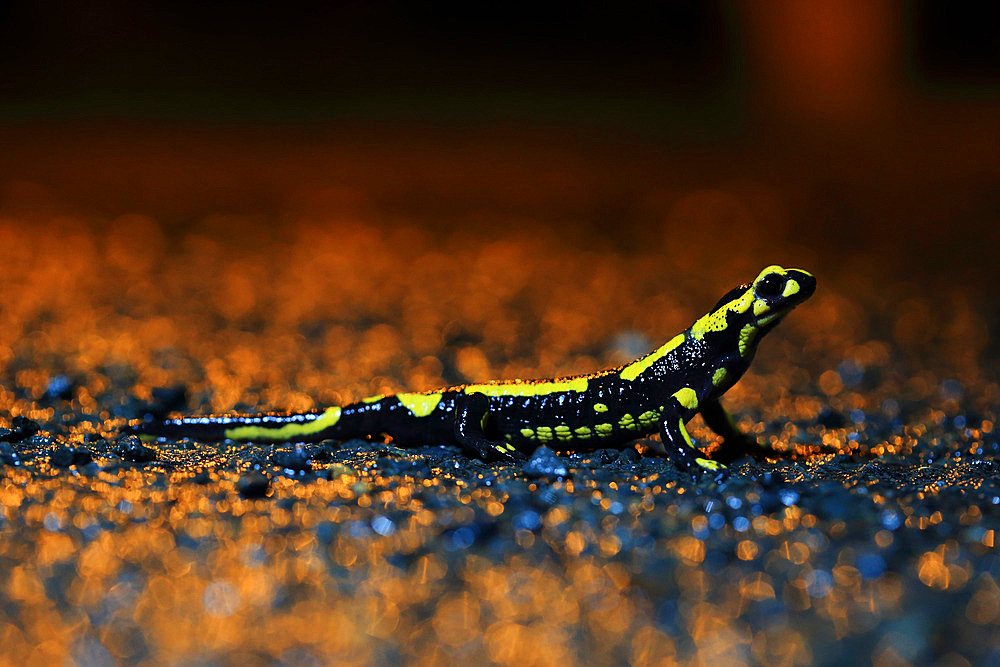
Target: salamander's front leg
(471, 417)
(681, 449)
(735, 443)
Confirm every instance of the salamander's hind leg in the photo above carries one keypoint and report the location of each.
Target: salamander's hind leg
(471, 417)
(735, 443)
(681, 450)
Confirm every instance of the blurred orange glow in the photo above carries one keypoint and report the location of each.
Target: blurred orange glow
(826, 60)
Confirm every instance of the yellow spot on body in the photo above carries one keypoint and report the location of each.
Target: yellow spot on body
(543, 433)
(719, 376)
(604, 429)
(709, 464)
(287, 432)
(582, 431)
(747, 334)
(508, 438)
(635, 369)
(687, 397)
(649, 418)
(510, 449)
(791, 287)
(373, 399)
(563, 432)
(527, 433)
(420, 405)
(522, 388)
(628, 422)
(600, 407)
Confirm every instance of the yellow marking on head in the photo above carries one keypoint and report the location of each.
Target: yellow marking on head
(604, 429)
(527, 433)
(709, 464)
(635, 369)
(719, 376)
(716, 320)
(522, 388)
(373, 399)
(687, 397)
(582, 431)
(508, 437)
(500, 449)
(600, 407)
(287, 432)
(791, 287)
(420, 405)
(685, 434)
(768, 270)
(510, 448)
(747, 334)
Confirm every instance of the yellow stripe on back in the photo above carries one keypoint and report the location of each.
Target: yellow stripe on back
(635, 369)
(287, 432)
(521, 388)
(419, 405)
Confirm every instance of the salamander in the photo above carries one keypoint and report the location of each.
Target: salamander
(505, 420)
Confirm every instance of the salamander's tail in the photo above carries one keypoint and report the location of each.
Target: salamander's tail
(267, 427)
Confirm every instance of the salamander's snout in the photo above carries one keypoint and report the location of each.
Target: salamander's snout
(806, 283)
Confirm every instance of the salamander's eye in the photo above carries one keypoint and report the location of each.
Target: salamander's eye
(769, 287)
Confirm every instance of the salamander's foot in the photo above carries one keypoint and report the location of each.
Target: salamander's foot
(750, 448)
(491, 451)
(709, 465)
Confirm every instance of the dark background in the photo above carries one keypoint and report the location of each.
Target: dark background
(317, 61)
(873, 124)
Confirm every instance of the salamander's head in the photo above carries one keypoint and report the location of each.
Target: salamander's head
(776, 291)
(755, 308)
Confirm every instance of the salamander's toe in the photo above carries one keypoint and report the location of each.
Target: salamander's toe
(712, 468)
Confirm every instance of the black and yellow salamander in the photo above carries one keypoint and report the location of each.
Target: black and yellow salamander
(503, 420)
